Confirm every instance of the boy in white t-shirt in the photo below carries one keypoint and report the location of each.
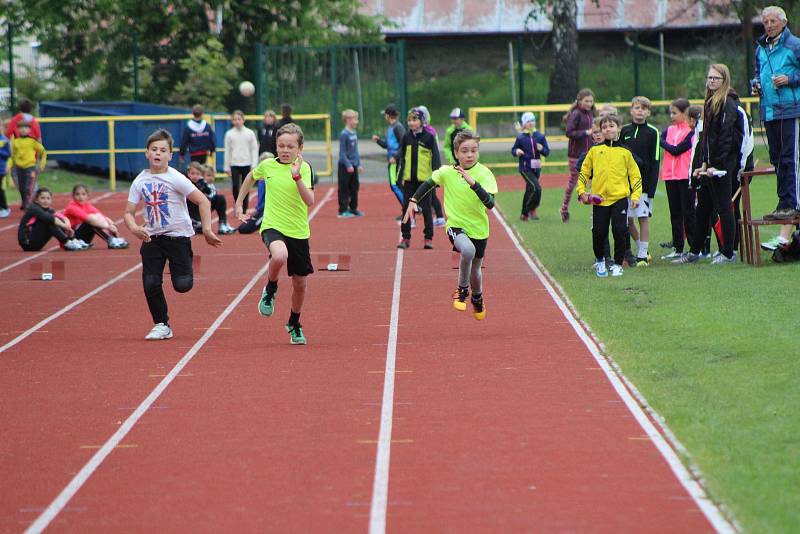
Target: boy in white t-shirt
(167, 231)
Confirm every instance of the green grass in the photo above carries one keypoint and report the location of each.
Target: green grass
(713, 349)
(61, 181)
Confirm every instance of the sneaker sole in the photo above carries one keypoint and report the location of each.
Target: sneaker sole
(460, 306)
(168, 336)
(479, 316)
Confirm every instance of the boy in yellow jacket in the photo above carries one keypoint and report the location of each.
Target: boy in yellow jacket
(614, 178)
(24, 151)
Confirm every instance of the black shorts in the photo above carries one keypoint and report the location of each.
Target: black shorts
(299, 257)
(480, 244)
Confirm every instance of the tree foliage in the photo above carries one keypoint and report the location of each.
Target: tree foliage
(210, 76)
(92, 42)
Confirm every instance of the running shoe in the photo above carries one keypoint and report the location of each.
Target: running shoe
(674, 255)
(428, 244)
(267, 303)
(523, 217)
(404, 243)
(533, 216)
(439, 221)
(226, 229)
(630, 260)
(774, 243)
(643, 262)
(5, 213)
(345, 215)
(117, 243)
(722, 259)
(666, 244)
(159, 331)
(600, 268)
(564, 216)
(615, 270)
(296, 333)
(75, 244)
(356, 213)
(687, 258)
(460, 298)
(478, 309)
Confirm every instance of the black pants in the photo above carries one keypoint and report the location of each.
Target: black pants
(436, 204)
(409, 188)
(348, 189)
(617, 215)
(199, 158)
(714, 194)
(25, 180)
(533, 190)
(238, 174)
(155, 254)
(681, 211)
(783, 154)
(39, 234)
(218, 204)
(86, 232)
(3, 201)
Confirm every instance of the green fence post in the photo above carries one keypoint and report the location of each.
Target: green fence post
(135, 65)
(402, 78)
(520, 75)
(334, 96)
(636, 64)
(12, 98)
(258, 76)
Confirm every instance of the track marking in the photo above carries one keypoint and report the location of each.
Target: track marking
(60, 502)
(380, 486)
(67, 308)
(626, 391)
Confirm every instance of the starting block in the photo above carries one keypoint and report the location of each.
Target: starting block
(333, 262)
(455, 260)
(47, 270)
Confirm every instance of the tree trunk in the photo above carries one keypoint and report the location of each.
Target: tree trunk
(748, 11)
(564, 76)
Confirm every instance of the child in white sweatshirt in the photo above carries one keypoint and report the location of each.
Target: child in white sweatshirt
(241, 152)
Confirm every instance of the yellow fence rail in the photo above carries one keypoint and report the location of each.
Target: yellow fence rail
(541, 124)
(112, 150)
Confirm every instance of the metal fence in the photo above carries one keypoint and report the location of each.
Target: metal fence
(331, 79)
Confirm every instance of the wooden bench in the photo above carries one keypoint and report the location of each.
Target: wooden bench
(750, 240)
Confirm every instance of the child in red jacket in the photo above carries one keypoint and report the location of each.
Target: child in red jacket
(87, 221)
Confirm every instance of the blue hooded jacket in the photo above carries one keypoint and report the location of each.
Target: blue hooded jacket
(782, 58)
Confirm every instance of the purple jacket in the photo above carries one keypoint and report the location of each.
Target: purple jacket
(578, 121)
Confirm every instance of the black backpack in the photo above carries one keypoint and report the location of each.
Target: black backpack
(789, 252)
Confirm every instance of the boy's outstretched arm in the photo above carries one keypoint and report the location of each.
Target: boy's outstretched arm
(204, 205)
(130, 221)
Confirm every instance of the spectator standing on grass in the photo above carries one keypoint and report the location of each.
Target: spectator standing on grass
(25, 115)
(5, 154)
(394, 134)
(349, 166)
(677, 141)
(579, 130)
(719, 159)
(198, 138)
(266, 133)
(25, 150)
(777, 82)
(643, 140)
(529, 147)
(241, 152)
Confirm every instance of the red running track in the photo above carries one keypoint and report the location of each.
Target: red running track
(505, 425)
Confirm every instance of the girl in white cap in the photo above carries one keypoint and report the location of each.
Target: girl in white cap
(530, 147)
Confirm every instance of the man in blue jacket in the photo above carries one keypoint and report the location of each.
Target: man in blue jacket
(777, 82)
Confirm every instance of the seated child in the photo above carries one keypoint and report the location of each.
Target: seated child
(86, 220)
(202, 176)
(40, 222)
(615, 178)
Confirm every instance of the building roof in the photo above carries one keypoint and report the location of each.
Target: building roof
(451, 17)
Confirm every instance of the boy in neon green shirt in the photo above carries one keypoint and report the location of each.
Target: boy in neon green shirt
(469, 190)
(289, 191)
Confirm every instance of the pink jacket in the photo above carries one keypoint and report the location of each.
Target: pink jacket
(676, 166)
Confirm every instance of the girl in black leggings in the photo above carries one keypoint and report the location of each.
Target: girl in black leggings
(40, 223)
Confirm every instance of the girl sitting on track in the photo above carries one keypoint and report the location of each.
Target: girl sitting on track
(289, 191)
(469, 190)
(40, 222)
(86, 220)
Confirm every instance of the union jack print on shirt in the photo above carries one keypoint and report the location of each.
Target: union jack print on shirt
(156, 197)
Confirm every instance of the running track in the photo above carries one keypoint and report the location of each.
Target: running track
(401, 414)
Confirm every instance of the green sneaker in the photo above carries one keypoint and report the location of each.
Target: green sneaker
(267, 303)
(296, 331)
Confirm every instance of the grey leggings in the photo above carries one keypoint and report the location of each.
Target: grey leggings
(469, 269)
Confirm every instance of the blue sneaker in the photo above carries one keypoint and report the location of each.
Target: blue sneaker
(267, 303)
(345, 215)
(356, 213)
(296, 333)
(600, 269)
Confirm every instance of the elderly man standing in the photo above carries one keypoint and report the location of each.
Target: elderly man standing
(777, 82)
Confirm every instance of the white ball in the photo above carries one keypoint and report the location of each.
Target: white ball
(247, 88)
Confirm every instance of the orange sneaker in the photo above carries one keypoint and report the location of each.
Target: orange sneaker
(460, 298)
(478, 309)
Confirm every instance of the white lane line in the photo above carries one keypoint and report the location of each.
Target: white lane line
(619, 382)
(83, 475)
(380, 486)
(67, 308)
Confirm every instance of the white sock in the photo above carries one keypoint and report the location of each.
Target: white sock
(643, 248)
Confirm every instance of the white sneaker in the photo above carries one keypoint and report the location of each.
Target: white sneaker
(600, 269)
(615, 270)
(5, 213)
(159, 331)
(721, 259)
(75, 244)
(672, 255)
(117, 243)
(226, 229)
